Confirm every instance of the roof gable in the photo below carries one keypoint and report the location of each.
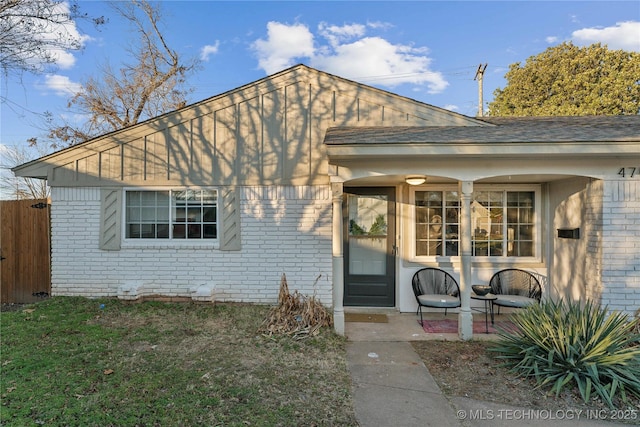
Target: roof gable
(266, 132)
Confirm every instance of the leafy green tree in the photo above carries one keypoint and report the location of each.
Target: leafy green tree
(568, 80)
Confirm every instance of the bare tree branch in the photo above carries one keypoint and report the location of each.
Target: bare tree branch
(16, 187)
(152, 84)
(33, 33)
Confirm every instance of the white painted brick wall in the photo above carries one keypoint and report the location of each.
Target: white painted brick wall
(593, 215)
(284, 230)
(621, 245)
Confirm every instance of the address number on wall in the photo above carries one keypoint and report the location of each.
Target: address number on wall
(629, 172)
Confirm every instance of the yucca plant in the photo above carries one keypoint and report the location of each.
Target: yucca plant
(565, 343)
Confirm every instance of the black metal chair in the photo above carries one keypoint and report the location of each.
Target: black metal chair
(435, 288)
(515, 288)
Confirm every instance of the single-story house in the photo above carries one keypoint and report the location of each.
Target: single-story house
(348, 190)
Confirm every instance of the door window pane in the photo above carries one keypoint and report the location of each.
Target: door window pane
(367, 215)
(367, 234)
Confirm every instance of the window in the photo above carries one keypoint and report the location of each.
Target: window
(437, 223)
(171, 214)
(502, 223)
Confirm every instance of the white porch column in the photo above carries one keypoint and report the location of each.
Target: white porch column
(338, 258)
(465, 319)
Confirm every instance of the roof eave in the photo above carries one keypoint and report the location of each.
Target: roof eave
(32, 169)
(487, 149)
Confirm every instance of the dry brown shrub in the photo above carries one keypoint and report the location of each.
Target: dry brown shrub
(296, 315)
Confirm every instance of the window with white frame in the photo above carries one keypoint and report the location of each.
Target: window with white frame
(179, 214)
(437, 216)
(502, 222)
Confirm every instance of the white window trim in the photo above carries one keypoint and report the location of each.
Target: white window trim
(129, 243)
(536, 259)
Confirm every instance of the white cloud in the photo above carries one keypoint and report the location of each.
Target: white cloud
(451, 107)
(349, 53)
(379, 25)
(376, 61)
(623, 35)
(65, 60)
(284, 44)
(209, 50)
(51, 34)
(61, 85)
(551, 39)
(336, 34)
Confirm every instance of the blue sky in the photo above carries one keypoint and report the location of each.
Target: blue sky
(425, 50)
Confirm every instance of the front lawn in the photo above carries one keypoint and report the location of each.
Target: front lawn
(81, 362)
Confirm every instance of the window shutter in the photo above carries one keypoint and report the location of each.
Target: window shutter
(110, 207)
(230, 221)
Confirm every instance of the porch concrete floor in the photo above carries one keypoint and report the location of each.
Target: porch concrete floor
(405, 327)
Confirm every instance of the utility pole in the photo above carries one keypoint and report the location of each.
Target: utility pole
(479, 76)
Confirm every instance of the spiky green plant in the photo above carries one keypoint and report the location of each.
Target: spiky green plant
(563, 343)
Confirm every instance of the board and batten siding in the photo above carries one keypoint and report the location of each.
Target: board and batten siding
(268, 133)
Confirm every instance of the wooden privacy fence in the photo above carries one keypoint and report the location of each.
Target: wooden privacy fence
(25, 251)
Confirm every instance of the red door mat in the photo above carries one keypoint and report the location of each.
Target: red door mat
(450, 326)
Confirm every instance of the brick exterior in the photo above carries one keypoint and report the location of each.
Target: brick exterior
(593, 236)
(621, 245)
(284, 230)
(287, 229)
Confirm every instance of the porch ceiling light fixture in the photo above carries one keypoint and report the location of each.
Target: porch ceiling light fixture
(415, 179)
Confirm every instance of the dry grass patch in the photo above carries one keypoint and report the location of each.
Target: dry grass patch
(468, 369)
(69, 362)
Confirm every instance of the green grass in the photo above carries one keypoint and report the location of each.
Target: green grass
(66, 361)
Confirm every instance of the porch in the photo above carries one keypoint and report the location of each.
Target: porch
(554, 196)
(405, 327)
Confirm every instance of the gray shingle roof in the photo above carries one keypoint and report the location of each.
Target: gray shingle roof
(498, 129)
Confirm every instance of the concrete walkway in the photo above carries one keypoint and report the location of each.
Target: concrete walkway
(393, 387)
